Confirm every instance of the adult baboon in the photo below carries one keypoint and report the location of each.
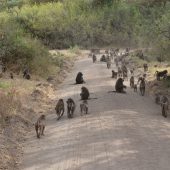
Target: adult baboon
(119, 87)
(132, 81)
(79, 78)
(160, 74)
(84, 107)
(71, 106)
(59, 108)
(40, 126)
(164, 106)
(84, 93)
(94, 58)
(142, 85)
(114, 74)
(26, 74)
(103, 58)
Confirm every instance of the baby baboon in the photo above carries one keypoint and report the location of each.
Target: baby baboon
(135, 87)
(132, 81)
(11, 76)
(157, 99)
(114, 74)
(59, 109)
(119, 87)
(40, 126)
(84, 93)
(79, 78)
(84, 107)
(70, 107)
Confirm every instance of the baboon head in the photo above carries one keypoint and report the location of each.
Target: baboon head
(42, 117)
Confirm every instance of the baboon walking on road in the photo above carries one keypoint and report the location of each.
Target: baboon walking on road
(71, 106)
(84, 107)
(59, 109)
(40, 126)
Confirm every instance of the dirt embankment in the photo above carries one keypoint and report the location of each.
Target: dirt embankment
(35, 97)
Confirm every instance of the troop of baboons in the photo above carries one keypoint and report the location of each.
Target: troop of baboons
(121, 74)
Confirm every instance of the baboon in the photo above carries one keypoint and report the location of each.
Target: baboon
(94, 58)
(26, 74)
(108, 62)
(103, 58)
(60, 108)
(164, 106)
(132, 71)
(132, 81)
(114, 74)
(84, 93)
(135, 88)
(142, 85)
(119, 87)
(119, 72)
(79, 78)
(40, 126)
(84, 107)
(157, 99)
(145, 67)
(71, 106)
(11, 76)
(160, 74)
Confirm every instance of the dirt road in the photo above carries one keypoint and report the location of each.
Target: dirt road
(121, 131)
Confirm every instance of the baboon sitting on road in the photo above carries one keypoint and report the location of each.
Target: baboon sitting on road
(79, 78)
(40, 126)
(70, 107)
(119, 87)
(84, 93)
(59, 109)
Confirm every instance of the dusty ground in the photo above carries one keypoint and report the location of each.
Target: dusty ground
(121, 131)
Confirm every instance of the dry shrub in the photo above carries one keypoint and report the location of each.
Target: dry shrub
(9, 104)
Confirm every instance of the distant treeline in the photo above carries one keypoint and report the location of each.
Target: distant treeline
(26, 26)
